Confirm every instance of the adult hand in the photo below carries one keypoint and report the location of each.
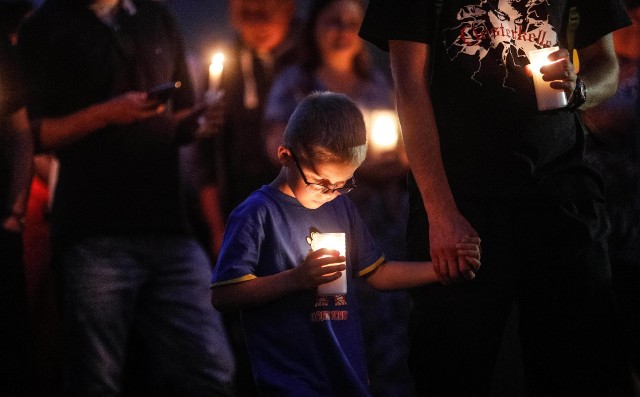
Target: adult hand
(211, 116)
(319, 267)
(129, 107)
(561, 72)
(444, 235)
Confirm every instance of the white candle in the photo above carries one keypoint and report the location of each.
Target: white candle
(334, 241)
(384, 131)
(547, 97)
(215, 70)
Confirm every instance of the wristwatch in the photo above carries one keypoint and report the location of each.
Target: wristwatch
(579, 95)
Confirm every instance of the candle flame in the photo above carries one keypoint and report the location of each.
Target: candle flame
(217, 63)
(384, 130)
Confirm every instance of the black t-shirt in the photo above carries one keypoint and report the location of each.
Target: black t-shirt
(492, 136)
(121, 179)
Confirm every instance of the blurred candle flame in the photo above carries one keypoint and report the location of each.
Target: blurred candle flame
(384, 131)
(215, 70)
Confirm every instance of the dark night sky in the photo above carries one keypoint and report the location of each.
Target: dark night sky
(203, 22)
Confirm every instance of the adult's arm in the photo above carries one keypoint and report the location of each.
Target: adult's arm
(209, 198)
(409, 63)
(599, 71)
(20, 169)
(58, 132)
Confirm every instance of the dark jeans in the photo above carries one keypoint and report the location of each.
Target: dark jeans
(154, 290)
(546, 253)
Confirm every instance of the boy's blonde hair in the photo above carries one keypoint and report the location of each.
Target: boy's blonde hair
(327, 127)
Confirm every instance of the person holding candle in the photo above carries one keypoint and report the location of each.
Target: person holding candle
(134, 280)
(301, 342)
(233, 162)
(334, 58)
(486, 161)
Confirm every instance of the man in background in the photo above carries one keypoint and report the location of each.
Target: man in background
(130, 268)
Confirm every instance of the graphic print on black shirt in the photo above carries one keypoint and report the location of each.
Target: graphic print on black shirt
(497, 35)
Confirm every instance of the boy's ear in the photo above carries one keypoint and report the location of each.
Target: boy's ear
(284, 156)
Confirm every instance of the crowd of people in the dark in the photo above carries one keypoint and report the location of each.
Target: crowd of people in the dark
(118, 277)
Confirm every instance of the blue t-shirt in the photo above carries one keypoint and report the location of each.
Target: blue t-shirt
(302, 344)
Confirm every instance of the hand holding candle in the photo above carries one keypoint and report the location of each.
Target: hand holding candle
(211, 120)
(547, 97)
(215, 71)
(334, 241)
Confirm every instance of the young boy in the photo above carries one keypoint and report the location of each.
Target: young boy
(302, 343)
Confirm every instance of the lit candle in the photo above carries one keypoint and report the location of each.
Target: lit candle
(334, 241)
(384, 131)
(547, 97)
(215, 70)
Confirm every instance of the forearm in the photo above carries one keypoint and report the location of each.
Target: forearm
(402, 275)
(599, 70)
(61, 131)
(253, 293)
(21, 162)
(422, 145)
(210, 205)
(419, 129)
(212, 214)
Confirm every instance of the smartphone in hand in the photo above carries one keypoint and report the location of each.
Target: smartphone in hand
(161, 93)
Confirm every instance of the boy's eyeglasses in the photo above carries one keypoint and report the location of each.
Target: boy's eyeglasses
(320, 188)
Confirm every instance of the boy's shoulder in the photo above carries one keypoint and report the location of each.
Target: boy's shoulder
(261, 202)
(258, 199)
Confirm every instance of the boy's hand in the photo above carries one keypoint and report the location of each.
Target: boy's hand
(469, 256)
(319, 267)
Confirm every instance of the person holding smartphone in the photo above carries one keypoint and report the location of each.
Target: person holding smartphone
(135, 281)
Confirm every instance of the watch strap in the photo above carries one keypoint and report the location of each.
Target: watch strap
(579, 95)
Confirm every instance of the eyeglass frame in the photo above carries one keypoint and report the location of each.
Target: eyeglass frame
(324, 189)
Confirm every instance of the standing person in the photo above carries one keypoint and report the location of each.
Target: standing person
(613, 145)
(485, 161)
(16, 157)
(234, 162)
(334, 58)
(128, 262)
(302, 341)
